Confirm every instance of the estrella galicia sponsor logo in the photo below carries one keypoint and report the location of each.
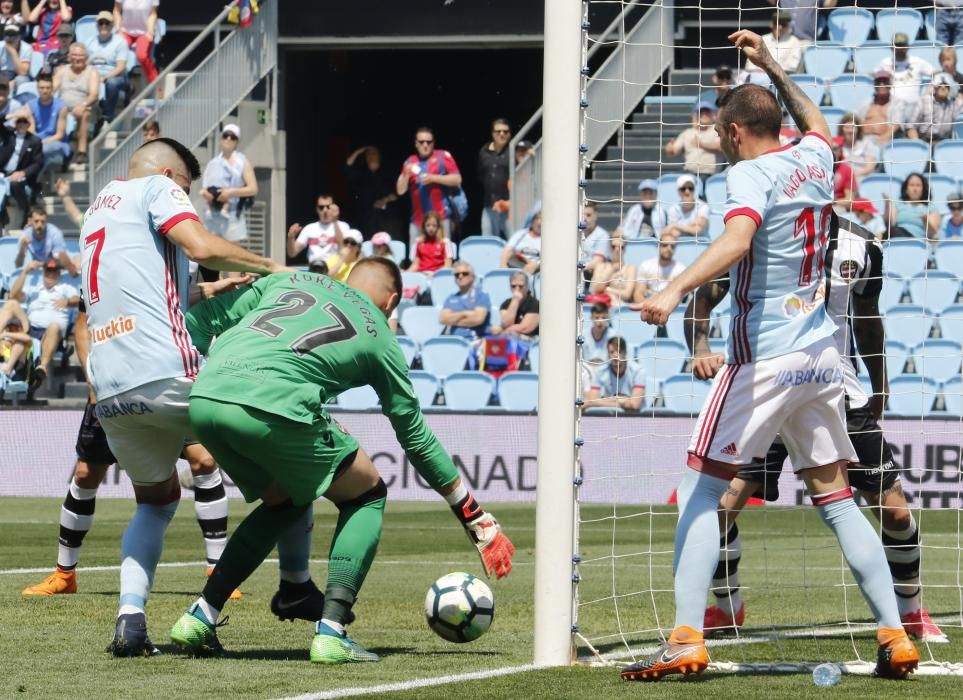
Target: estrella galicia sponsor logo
(788, 377)
(122, 408)
(114, 328)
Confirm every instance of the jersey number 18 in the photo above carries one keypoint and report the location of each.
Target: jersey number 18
(814, 242)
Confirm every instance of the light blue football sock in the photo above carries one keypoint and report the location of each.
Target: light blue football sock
(865, 556)
(140, 550)
(294, 549)
(696, 545)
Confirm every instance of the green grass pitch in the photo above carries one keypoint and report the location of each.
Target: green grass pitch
(55, 647)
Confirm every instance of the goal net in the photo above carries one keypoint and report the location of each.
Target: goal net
(654, 171)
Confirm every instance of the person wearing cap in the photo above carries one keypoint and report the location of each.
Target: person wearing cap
(700, 143)
(936, 111)
(782, 44)
(108, 54)
(341, 264)
(78, 85)
(953, 228)
(381, 245)
(859, 151)
(136, 22)
(16, 54)
(494, 174)
(21, 160)
(523, 149)
(867, 215)
(804, 17)
(689, 216)
(645, 219)
(875, 111)
(49, 16)
(721, 81)
(908, 73)
(228, 179)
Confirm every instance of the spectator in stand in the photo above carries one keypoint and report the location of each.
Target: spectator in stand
(381, 245)
(722, 81)
(151, 130)
(860, 152)
(596, 244)
(875, 113)
(494, 173)
(523, 149)
(908, 74)
(844, 179)
(524, 248)
(46, 305)
(136, 21)
(519, 313)
(48, 15)
(617, 278)
(595, 348)
(954, 225)
(15, 349)
(429, 176)
(16, 54)
(340, 265)
(619, 383)
(49, 114)
(8, 16)
(645, 219)
(948, 63)
(8, 105)
(43, 241)
(949, 24)
(936, 112)
(466, 312)
(700, 143)
(656, 273)
(867, 215)
(228, 188)
(60, 56)
(108, 54)
(784, 46)
(78, 85)
(804, 17)
(323, 237)
(21, 159)
(912, 215)
(689, 216)
(372, 191)
(432, 251)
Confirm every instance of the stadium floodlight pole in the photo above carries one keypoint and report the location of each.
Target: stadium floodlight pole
(555, 501)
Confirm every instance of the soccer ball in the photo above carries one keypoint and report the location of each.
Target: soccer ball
(459, 607)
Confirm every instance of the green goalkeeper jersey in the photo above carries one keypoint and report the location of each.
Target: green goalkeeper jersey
(292, 341)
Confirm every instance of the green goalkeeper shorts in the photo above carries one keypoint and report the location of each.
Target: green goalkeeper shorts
(255, 448)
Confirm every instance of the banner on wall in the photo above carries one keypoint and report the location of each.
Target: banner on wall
(625, 459)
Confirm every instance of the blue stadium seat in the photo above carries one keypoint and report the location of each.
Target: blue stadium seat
(868, 56)
(849, 92)
(668, 194)
(85, 29)
(684, 394)
(941, 186)
(812, 85)
(953, 396)
(36, 65)
(397, 249)
(929, 22)
(894, 287)
(911, 396)
(934, 289)
(442, 286)
(408, 348)
(907, 323)
(904, 156)
(948, 157)
(425, 385)
(534, 351)
(360, 398)
(850, 25)
(876, 185)
(9, 246)
(716, 192)
(468, 391)
(26, 90)
(897, 355)
(420, 323)
(900, 19)
(905, 257)
(951, 323)
(445, 355)
(929, 51)
(716, 226)
(628, 324)
(638, 251)
(660, 358)
(414, 280)
(675, 326)
(827, 60)
(938, 359)
(483, 253)
(949, 257)
(687, 250)
(497, 284)
(518, 391)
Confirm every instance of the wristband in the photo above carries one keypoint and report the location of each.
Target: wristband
(467, 509)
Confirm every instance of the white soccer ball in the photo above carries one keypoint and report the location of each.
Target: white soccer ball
(459, 607)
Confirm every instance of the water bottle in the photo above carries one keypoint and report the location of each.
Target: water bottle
(827, 675)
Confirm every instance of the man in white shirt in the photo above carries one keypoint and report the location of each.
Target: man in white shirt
(908, 74)
(524, 248)
(656, 273)
(645, 219)
(784, 46)
(323, 238)
(689, 216)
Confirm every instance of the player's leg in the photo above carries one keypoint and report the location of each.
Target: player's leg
(48, 346)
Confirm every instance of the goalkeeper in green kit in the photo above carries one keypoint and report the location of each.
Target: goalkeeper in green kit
(285, 346)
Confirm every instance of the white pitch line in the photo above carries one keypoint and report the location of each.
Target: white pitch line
(412, 685)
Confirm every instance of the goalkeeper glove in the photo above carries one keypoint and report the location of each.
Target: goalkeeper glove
(494, 548)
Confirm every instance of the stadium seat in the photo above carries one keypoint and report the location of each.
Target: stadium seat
(483, 253)
(9, 246)
(442, 286)
(934, 289)
(675, 326)
(849, 92)
(408, 348)
(953, 396)
(900, 19)
(684, 394)
(897, 355)
(468, 391)
(497, 285)
(360, 398)
(868, 56)
(687, 250)
(875, 186)
(518, 391)
(420, 323)
(716, 226)
(911, 396)
(850, 25)
(85, 29)
(668, 194)
(938, 359)
(949, 257)
(827, 60)
(628, 325)
(951, 323)
(941, 186)
(425, 385)
(26, 90)
(660, 358)
(36, 65)
(445, 355)
(639, 250)
(894, 287)
(533, 353)
(929, 51)
(812, 85)
(948, 157)
(716, 194)
(904, 156)
(907, 323)
(929, 22)
(905, 257)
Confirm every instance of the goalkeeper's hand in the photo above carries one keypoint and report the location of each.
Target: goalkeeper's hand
(494, 548)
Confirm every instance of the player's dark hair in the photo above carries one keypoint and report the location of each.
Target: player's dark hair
(753, 108)
(182, 151)
(904, 189)
(600, 308)
(618, 342)
(389, 267)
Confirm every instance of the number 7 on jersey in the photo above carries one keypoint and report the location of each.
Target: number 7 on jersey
(95, 240)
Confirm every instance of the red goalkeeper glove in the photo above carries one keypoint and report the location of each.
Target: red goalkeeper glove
(494, 548)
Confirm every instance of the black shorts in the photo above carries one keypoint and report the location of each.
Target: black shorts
(875, 472)
(92, 444)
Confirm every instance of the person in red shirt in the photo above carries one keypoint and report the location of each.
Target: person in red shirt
(433, 249)
(431, 176)
(845, 188)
